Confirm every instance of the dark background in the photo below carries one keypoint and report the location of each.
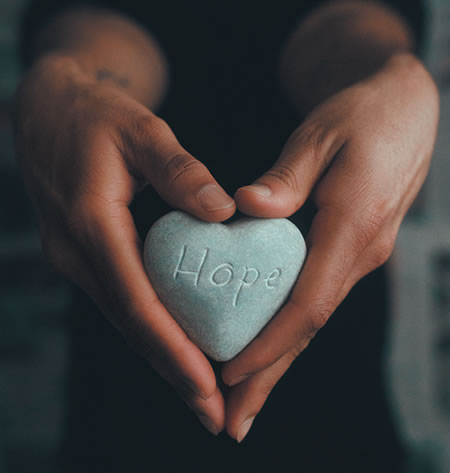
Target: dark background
(35, 341)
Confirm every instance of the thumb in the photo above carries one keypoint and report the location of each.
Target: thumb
(180, 179)
(283, 189)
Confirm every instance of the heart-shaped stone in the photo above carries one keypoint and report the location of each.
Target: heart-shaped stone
(223, 283)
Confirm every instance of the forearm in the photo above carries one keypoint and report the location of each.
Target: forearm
(106, 48)
(338, 45)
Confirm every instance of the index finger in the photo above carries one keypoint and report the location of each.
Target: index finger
(131, 304)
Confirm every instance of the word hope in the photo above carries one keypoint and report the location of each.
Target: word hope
(225, 273)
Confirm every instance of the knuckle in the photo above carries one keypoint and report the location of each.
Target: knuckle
(285, 175)
(375, 221)
(180, 166)
(319, 316)
(295, 352)
(314, 136)
(141, 131)
(367, 230)
(151, 129)
(143, 126)
(383, 251)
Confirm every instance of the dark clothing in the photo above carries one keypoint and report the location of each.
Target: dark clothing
(329, 412)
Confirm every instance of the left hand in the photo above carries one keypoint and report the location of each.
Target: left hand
(363, 154)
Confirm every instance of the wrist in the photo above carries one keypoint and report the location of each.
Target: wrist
(59, 71)
(110, 48)
(45, 89)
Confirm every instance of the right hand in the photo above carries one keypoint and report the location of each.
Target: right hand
(85, 149)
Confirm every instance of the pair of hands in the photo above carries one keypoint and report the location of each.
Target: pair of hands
(86, 149)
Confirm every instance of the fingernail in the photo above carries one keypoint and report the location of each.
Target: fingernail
(211, 197)
(208, 424)
(258, 189)
(244, 428)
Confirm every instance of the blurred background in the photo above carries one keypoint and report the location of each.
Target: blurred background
(34, 341)
(32, 301)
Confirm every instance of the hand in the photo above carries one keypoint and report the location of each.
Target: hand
(85, 149)
(364, 154)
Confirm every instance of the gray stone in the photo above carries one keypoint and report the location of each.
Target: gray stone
(223, 283)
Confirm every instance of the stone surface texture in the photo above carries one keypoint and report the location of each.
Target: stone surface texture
(223, 283)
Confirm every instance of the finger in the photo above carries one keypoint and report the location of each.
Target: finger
(246, 399)
(131, 304)
(210, 412)
(180, 179)
(66, 257)
(351, 215)
(284, 188)
(335, 242)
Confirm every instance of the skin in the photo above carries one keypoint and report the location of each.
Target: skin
(362, 154)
